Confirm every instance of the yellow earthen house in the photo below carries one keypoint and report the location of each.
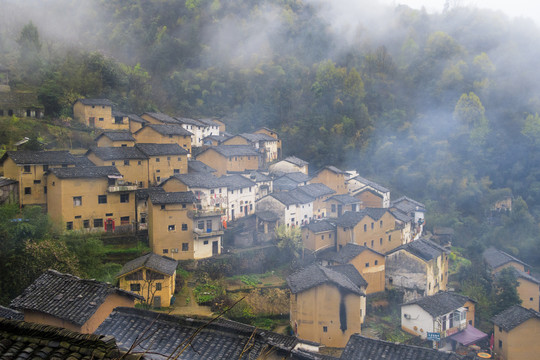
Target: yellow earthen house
(515, 334)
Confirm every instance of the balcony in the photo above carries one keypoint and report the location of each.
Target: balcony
(122, 186)
(202, 233)
(195, 214)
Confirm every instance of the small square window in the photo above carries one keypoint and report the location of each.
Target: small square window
(168, 158)
(124, 220)
(184, 227)
(176, 171)
(101, 119)
(376, 262)
(179, 158)
(126, 162)
(78, 217)
(135, 287)
(367, 264)
(69, 225)
(37, 181)
(171, 227)
(77, 200)
(113, 163)
(325, 328)
(27, 168)
(185, 246)
(162, 207)
(27, 191)
(157, 160)
(45, 167)
(165, 251)
(205, 242)
(158, 170)
(102, 199)
(124, 198)
(86, 224)
(158, 286)
(109, 214)
(98, 223)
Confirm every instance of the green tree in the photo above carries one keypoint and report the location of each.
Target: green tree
(290, 240)
(505, 290)
(29, 64)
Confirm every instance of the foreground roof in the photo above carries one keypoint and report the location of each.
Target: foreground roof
(167, 129)
(514, 316)
(315, 275)
(66, 297)
(292, 197)
(233, 150)
(161, 264)
(296, 161)
(423, 248)
(166, 335)
(199, 166)
(346, 254)
(23, 340)
(408, 205)
(495, 258)
(440, 303)
(371, 184)
(236, 181)
(117, 153)
(27, 157)
(7, 313)
(198, 180)
(164, 118)
(116, 136)
(80, 172)
(344, 199)
(320, 226)
(316, 190)
(361, 347)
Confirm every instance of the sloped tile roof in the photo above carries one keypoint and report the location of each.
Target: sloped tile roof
(189, 121)
(401, 216)
(117, 153)
(137, 118)
(167, 335)
(116, 136)
(297, 176)
(514, 316)
(344, 199)
(320, 226)
(292, 197)
(27, 157)
(234, 150)
(164, 118)
(161, 149)
(315, 275)
(161, 264)
(66, 297)
(23, 340)
(83, 161)
(495, 258)
(360, 347)
(408, 205)
(296, 161)
(83, 172)
(316, 190)
(351, 218)
(236, 181)
(199, 166)
(180, 197)
(5, 181)
(346, 254)
(99, 102)
(423, 248)
(258, 176)
(257, 137)
(167, 129)
(371, 184)
(198, 180)
(350, 271)
(267, 215)
(440, 303)
(208, 122)
(521, 274)
(332, 169)
(143, 194)
(7, 313)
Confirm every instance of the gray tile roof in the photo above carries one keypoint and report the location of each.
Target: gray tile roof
(371, 184)
(199, 166)
(514, 316)
(315, 275)
(5, 181)
(292, 197)
(98, 102)
(350, 271)
(66, 297)
(351, 218)
(116, 136)
(162, 264)
(22, 340)
(164, 118)
(495, 258)
(440, 303)
(143, 194)
(81, 172)
(161, 149)
(521, 275)
(332, 169)
(117, 153)
(344, 199)
(118, 113)
(284, 183)
(236, 181)
(258, 176)
(167, 335)
(27, 157)
(83, 161)
(345, 255)
(320, 226)
(315, 190)
(267, 215)
(257, 137)
(180, 197)
(401, 216)
(137, 118)
(408, 205)
(7, 313)
(218, 138)
(298, 177)
(208, 122)
(167, 129)
(360, 347)
(423, 248)
(198, 180)
(189, 121)
(296, 161)
(234, 150)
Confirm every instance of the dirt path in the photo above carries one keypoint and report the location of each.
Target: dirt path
(183, 306)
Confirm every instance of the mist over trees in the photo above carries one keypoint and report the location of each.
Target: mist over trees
(440, 107)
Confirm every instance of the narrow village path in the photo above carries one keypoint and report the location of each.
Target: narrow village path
(182, 306)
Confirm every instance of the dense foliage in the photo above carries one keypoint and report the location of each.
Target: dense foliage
(440, 107)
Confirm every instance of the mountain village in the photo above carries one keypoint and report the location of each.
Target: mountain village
(184, 185)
